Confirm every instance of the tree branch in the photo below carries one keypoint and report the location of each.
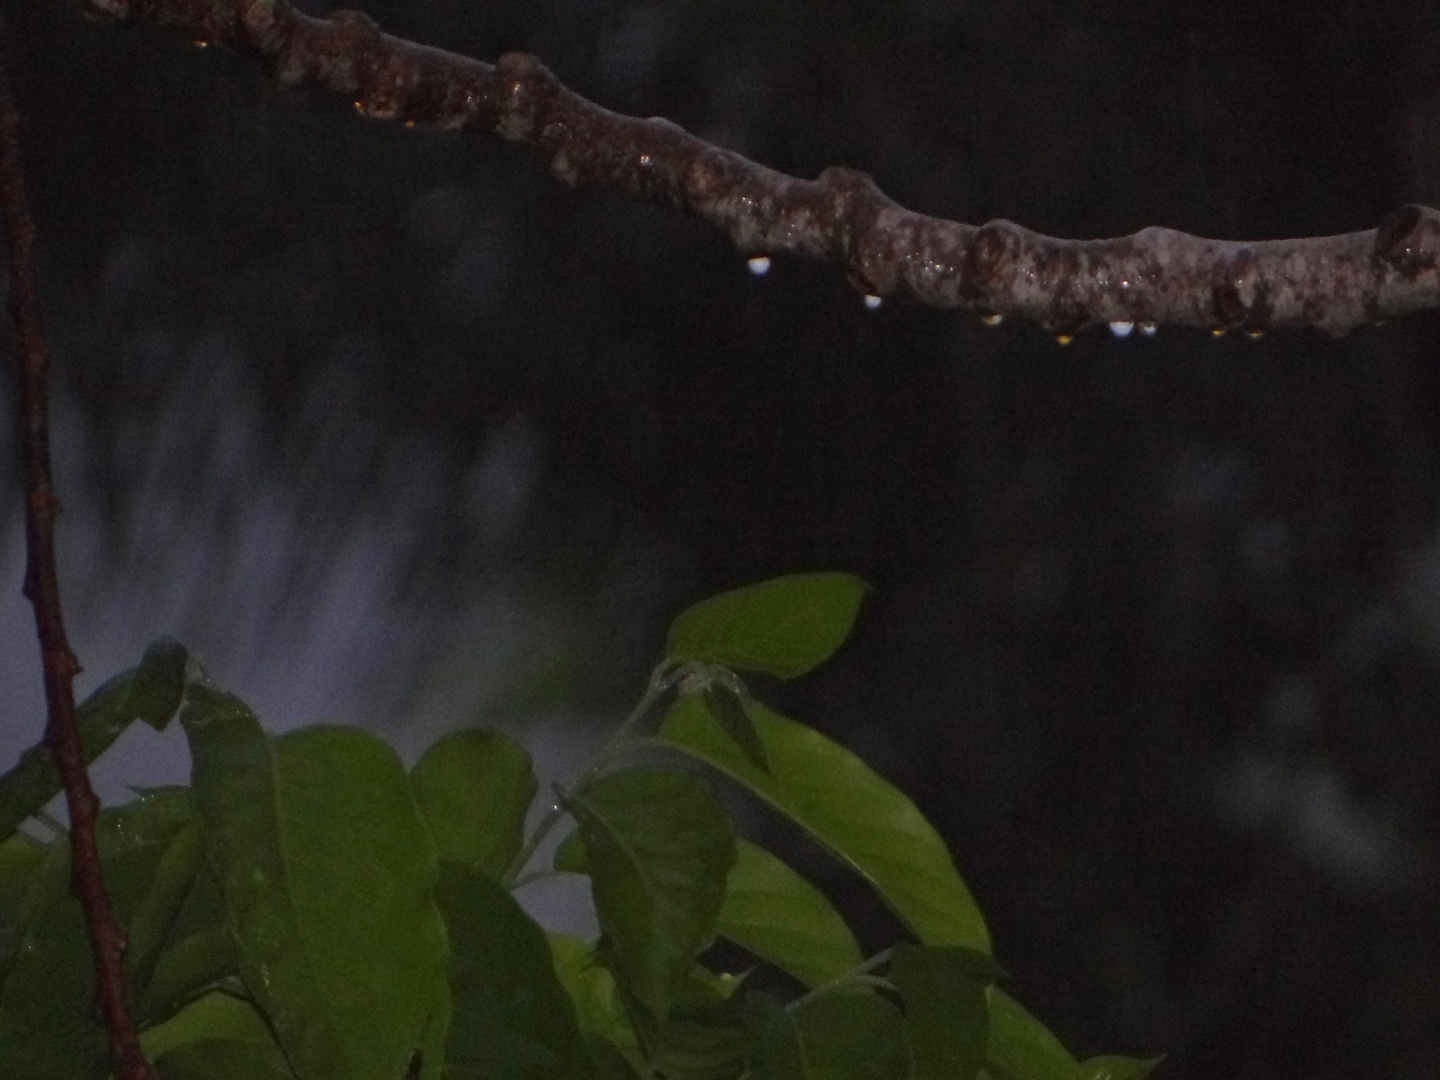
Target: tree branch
(1155, 276)
(42, 587)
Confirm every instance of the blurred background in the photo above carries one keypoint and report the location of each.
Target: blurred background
(389, 426)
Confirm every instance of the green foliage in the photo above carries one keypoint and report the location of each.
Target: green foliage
(947, 1021)
(658, 848)
(778, 916)
(150, 692)
(850, 809)
(784, 627)
(511, 1018)
(307, 910)
(474, 788)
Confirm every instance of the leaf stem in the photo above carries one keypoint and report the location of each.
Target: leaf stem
(532, 877)
(857, 975)
(664, 679)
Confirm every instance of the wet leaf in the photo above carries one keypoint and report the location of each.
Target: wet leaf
(224, 1059)
(702, 1048)
(658, 846)
(20, 858)
(217, 1037)
(214, 1017)
(47, 1028)
(727, 705)
(783, 627)
(592, 988)
(946, 1017)
(570, 855)
(474, 788)
(862, 819)
(774, 913)
(847, 1035)
(327, 872)
(512, 1019)
(1022, 1048)
(198, 952)
(160, 908)
(150, 692)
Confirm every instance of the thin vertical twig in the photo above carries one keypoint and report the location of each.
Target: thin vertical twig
(42, 588)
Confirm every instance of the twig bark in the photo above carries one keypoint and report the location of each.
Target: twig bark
(42, 587)
(1152, 277)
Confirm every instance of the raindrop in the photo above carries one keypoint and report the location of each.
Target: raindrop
(872, 301)
(1064, 339)
(201, 43)
(1254, 335)
(1217, 331)
(359, 106)
(1148, 329)
(759, 265)
(1121, 329)
(992, 320)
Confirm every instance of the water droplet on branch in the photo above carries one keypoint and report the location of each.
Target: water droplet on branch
(994, 319)
(1064, 339)
(1148, 329)
(1121, 328)
(1254, 335)
(759, 265)
(872, 301)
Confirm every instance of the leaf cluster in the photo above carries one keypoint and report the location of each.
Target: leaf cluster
(309, 909)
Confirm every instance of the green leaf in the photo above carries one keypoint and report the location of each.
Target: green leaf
(946, 1018)
(783, 627)
(47, 1029)
(224, 1059)
(702, 1048)
(1115, 1067)
(658, 846)
(849, 809)
(570, 855)
(512, 1019)
(150, 692)
(215, 1016)
(592, 988)
(217, 1037)
(197, 954)
(327, 873)
(774, 913)
(846, 1035)
(611, 1063)
(160, 909)
(727, 705)
(20, 858)
(474, 788)
(185, 968)
(1022, 1048)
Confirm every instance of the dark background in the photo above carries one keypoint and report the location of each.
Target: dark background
(390, 424)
